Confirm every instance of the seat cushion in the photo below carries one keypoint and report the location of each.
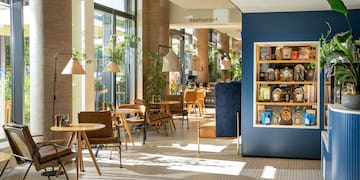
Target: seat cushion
(48, 152)
(108, 140)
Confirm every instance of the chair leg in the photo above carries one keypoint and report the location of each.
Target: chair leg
(63, 167)
(187, 121)
(97, 150)
(121, 166)
(48, 175)
(165, 129)
(27, 171)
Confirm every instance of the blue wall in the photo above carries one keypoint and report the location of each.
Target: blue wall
(290, 26)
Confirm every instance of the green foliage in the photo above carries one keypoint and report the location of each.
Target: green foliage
(7, 84)
(80, 56)
(117, 51)
(338, 54)
(155, 81)
(236, 68)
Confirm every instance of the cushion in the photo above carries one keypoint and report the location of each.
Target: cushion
(48, 152)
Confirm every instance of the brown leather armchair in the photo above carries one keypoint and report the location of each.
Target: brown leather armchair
(24, 149)
(104, 135)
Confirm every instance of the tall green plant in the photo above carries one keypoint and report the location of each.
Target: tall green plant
(338, 54)
(156, 80)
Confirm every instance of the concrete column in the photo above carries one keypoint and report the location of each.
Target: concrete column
(202, 45)
(50, 33)
(155, 31)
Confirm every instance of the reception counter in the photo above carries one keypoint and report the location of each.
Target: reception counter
(340, 153)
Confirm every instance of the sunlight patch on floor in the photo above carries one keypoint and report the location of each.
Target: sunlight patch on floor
(201, 165)
(268, 172)
(194, 147)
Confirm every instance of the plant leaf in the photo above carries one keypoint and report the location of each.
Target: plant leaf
(338, 6)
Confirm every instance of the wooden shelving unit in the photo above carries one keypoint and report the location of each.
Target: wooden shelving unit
(270, 57)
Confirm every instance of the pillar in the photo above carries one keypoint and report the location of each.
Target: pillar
(155, 32)
(202, 47)
(50, 33)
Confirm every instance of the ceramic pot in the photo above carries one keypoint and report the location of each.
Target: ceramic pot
(351, 101)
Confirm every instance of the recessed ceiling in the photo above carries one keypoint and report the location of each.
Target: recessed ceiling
(203, 4)
(254, 6)
(247, 6)
(232, 30)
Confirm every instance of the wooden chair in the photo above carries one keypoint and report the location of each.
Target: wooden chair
(24, 149)
(178, 109)
(104, 136)
(134, 119)
(195, 99)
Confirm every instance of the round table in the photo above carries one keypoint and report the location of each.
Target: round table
(79, 130)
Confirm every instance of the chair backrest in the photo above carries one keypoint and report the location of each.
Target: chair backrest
(140, 107)
(173, 98)
(20, 140)
(103, 117)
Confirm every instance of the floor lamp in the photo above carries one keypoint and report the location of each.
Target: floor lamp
(72, 67)
(113, 67)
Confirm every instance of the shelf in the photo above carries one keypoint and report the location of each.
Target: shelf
(292, 55)
(271, 103)
(287, 126)
(286, 61)
(287, 82)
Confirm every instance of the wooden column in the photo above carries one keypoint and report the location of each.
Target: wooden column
(155, 32)
(202, 45)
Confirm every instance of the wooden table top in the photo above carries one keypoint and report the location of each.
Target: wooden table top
(79, 127)
(166, 102)
(126, 110)
(4, 157)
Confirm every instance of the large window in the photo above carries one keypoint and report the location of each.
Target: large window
(111, 27)
(7, 61)
(5, 66)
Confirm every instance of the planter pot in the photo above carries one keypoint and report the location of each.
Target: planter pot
(351, 101)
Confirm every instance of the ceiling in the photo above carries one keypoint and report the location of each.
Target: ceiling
(247, 6)
(255, 6)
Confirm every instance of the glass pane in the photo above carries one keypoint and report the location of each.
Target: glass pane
(115, 4)
(102, 35)
(121, 80)
(5, 66)
(26, 65)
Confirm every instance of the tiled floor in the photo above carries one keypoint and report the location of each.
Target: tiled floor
(176, 157)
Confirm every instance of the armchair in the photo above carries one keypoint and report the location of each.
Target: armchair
(104, 135)
(24, 149)
(178, 109)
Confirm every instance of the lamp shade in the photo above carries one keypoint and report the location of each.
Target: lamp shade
(225, 64)
(194, 64)
(171, 62)
(112, 66)
(73, 67)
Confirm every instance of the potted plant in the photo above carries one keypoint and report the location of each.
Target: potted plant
(338, 57)
(156, 80)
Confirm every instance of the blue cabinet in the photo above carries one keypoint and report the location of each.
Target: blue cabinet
(227, 98)
(341, 146)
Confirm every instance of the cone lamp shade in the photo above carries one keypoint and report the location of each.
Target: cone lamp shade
(171, 62)
(194, 64)
(73, 67)
(112, 67)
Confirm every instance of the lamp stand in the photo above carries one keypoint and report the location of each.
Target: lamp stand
(114, 89)
(53, 172)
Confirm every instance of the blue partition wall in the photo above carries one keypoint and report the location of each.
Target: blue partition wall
(272, 27)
